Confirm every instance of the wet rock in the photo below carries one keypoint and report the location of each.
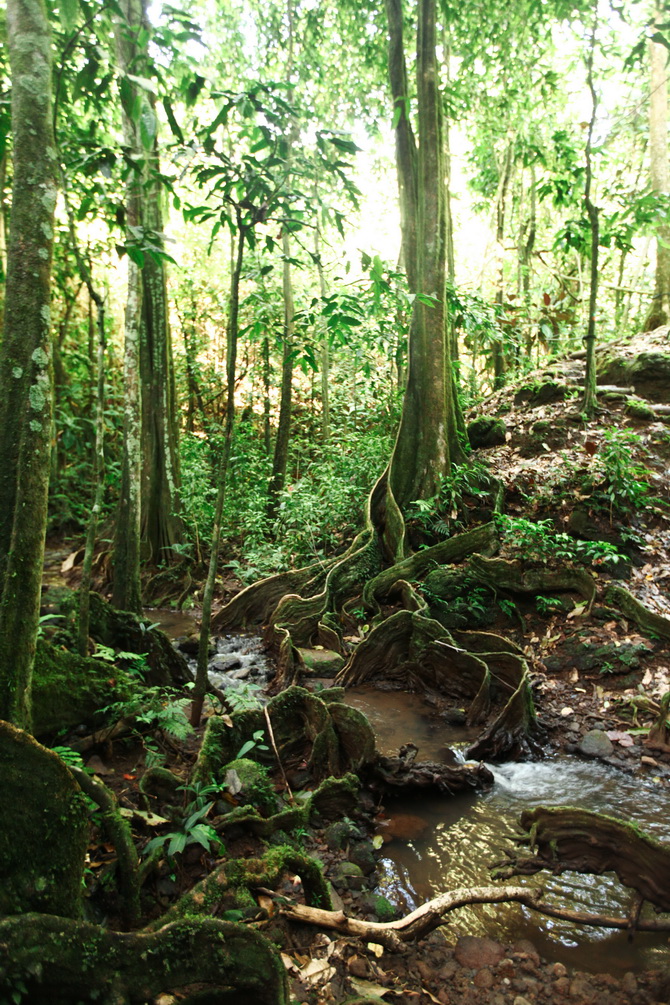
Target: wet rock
(629, 983)
(596, 743)
(558, 970)
(403, 826)
(362, 854)
(580, 988)
(483, 978)
(338, 834)
(347, 876)
(520, 1000)
(358, 967)
(225, 664)
(382, 908)
(243, 672)
(486, 431)
(322, 662)
(474, 952)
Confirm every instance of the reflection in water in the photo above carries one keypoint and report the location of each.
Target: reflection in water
(467, 833)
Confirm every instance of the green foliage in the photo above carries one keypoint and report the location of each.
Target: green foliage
(192, 830)
(445, 513)
(538, 541)
(623, 482)
(254, 743)
(153, 710)
(244, 697)
(545, 605)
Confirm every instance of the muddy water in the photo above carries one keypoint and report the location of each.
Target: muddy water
(455, 839)
(173, 623)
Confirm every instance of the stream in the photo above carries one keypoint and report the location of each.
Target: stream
(437, 843)
(441, 843)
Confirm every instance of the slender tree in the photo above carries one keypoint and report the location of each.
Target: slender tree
(589, 400)
(25, 356)
(660, 173)
(126, 593)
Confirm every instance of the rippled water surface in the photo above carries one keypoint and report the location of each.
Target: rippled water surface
(461, 836)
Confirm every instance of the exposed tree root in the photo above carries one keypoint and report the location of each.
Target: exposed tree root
(653, 624)
(454, 549)
(416, 652)
(515, 577)
(118, 833)
(568, 839)
(397, 774)
(229, 885)
(60, 961)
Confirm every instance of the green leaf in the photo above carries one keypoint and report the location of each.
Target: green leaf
(177, 843)
(174, 125)
(148, 126)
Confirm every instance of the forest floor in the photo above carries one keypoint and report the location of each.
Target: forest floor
(597, 677)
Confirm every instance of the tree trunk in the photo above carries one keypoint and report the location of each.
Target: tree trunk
(126, 594)
(25, 360)
(201, 680)
(161, 522)
(589, 400)
(280, 460)
(427, 440)
(660, 174)
(325, 352)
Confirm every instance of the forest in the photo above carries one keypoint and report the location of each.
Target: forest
(334, 502)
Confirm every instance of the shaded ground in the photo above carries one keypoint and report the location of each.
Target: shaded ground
(598, 680)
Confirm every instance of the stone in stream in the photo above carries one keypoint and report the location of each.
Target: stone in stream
(596, 743)
(225, 664)
(322, 662)
(474, 952)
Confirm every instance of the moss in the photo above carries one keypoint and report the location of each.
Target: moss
(639, 409)
(70, 689)
(486, 431)
(256, 788)
(43, 829)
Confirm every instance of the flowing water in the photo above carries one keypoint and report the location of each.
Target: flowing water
(449, 842)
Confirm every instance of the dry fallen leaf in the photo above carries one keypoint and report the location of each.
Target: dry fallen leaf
(375, 948)
(368, 988)
(317, 971)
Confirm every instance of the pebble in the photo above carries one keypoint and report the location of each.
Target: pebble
(474, 952)
(483, 978)
(629, 983)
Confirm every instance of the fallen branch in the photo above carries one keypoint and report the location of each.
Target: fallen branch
(430, 916)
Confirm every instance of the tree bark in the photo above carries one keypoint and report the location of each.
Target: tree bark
(25, 356)
(660, 173)
(427, 440)
(280, 459)
(126, 593)
(589, 400)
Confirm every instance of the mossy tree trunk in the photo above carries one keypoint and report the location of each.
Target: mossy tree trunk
(660, 171)
(427, 441)
(280, 459)
(161, 522)
(25, 356)
(126, 593)
(589, 400)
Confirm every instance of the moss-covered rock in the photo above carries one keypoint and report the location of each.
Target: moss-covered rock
(69, 689)
(380, 906)
(486, 431)
(250, 784)
(322, 662)
(43, 829)
(347, 876)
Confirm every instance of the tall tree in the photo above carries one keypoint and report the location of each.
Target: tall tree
(660, 172)
(25, 355)
(126, 593)
(427, 441)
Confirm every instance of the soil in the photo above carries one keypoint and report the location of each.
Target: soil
(591, 672)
